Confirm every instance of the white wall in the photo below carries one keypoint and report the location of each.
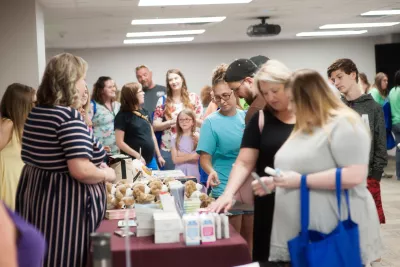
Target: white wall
(22, 44)
(197, 61)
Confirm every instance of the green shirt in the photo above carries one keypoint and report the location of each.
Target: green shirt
(394, 99)
(244, 104)
(377, 96)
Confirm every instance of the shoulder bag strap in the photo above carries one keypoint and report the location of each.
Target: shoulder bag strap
(261, 120)
(304, 208)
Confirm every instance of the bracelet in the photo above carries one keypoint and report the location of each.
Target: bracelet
(159, 157)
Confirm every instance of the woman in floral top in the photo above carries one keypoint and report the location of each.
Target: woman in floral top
(167, 110)
(104, 108)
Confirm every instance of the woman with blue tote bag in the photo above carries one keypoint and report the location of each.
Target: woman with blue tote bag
(328, 135)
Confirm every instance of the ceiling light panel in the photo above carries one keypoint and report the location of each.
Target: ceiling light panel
(382, 12)
(358, 25)
(164, 33)
(190, 2)
(329, 33)
(177, 20)
(159, 40)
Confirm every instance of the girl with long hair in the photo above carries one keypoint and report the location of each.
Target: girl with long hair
(133, 130)
(184, 144)
(17, 102)
(380, 88)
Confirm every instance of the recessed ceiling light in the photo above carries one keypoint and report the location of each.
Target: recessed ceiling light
(177, 20)
(159, 40)
(164, 33)
(358, 25)
(382, 12)
(189, 2)
(329, 33)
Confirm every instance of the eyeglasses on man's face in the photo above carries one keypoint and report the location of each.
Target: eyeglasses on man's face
(237, 88)
(224, 97)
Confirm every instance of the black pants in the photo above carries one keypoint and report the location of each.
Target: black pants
(263, 215)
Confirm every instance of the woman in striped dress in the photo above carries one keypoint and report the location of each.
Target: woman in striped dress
(61, 189)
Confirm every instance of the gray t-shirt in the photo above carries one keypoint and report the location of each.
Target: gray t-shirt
(151, 97)
(342, 142)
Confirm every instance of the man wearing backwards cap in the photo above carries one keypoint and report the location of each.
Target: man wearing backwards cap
(239, 77)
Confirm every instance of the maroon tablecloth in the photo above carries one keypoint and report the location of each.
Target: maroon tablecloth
(144, 253)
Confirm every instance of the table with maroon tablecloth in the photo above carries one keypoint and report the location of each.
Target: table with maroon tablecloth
(145, 253)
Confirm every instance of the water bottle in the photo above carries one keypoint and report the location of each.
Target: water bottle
(101, 249)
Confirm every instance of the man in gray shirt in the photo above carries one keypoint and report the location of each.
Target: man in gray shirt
(152, 91)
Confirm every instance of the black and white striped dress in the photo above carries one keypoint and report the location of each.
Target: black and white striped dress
(65, 210)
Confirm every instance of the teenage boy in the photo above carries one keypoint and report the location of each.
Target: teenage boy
(344, 75)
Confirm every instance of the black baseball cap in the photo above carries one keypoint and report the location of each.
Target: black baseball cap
(259, 60)
(240, 69)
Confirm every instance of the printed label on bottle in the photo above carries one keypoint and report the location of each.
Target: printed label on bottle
(208, 231)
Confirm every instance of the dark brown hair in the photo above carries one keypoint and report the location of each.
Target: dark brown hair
(129, 99)
(344, 64)
(16, 104)
(179, 132)
(98, 89)
(184, 94)
(218, 76)
(378, 84)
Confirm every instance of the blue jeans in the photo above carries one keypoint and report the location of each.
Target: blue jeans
(396, 131)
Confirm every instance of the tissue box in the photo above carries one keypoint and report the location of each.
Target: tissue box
(145, 221)
(164, 237)
(167, 227)
(144, 232)
(167, 221)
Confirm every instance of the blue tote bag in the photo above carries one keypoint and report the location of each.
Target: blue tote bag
(341, 247)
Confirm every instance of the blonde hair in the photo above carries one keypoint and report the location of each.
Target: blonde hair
(179, 131)
(273, 71)
(86, 109)
(315, 101)
(218, 77)
(58, 86)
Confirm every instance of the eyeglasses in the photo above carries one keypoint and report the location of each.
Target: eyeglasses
(224, 97)
(237, 88)
(185, 120)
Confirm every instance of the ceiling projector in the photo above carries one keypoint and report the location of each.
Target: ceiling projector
(263, 29)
